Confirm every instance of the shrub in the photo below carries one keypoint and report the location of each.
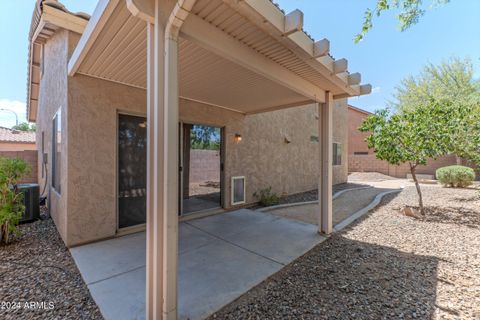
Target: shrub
(11, 199)
(266, 197)
(456, 176)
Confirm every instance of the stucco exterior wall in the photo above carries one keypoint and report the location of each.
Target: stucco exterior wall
(94, 105)
(264, 156)
(53, 97)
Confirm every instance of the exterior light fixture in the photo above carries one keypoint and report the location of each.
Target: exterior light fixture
(237, 138)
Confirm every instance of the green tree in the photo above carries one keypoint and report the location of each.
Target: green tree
(465, 135)
(452, 81)
(451, 85)
(25, 126)
(409, 14)
(411, 137)
(205, 137)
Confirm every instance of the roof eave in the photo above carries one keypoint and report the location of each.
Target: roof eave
(51, 19)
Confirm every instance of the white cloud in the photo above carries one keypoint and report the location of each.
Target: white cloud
(7, 119)
(376, 89)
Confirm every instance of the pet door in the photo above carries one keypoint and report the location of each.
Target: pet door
(238, 190)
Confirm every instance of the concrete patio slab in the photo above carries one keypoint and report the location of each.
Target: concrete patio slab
(220, 258)
(230, 223)
(217, 274)
(281, 240)
(101, 260)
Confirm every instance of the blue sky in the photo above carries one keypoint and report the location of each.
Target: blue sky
(384, 58)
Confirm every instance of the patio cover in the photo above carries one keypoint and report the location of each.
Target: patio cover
(245, 56)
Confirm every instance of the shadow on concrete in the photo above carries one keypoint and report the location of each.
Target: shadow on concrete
(345, 279)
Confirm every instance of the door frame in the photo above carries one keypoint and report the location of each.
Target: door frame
(139, 227)
(181, 169)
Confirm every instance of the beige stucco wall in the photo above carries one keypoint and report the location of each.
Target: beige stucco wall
(263, 156)
(52, 97)
(94, 105)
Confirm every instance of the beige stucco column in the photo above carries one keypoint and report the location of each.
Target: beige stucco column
(325, 111)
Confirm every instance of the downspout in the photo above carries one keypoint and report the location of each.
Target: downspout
(170, 174)
(178, 16)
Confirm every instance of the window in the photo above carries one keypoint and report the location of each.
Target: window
(56, 151)
(337, 154)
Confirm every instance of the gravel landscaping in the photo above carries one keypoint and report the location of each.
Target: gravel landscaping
(37, 269)
(385, 266)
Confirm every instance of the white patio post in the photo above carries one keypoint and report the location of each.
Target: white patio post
(325, 219)
(152, 167)
(171, 166)
(155, 176)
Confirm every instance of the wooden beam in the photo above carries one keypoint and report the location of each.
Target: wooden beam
(321, 48)
(283, 106)
(354, 79)
(63, 19)
(98, 20)
(213, 39)
(340, 66)
(365, 89)
(293, 22)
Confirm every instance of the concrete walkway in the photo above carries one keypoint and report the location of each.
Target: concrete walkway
(220, 258)
(347, 204)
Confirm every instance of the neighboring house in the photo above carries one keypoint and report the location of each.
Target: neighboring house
(362, 159)
(15, 140)
(99, 87)
(356, 139)
(20, 144)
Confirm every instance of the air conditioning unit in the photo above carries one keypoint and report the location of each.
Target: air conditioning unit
(31, 202)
